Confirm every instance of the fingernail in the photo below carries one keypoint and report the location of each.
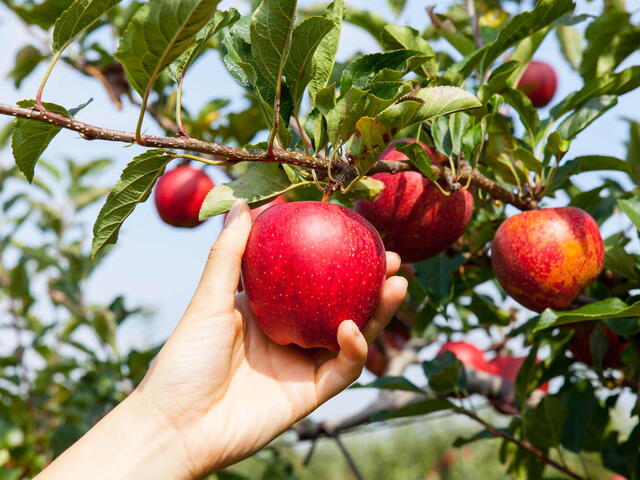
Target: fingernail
(233, 214)
(354, 328)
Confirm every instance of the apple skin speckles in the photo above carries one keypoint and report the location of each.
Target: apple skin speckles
(544, 258)
(307, 267)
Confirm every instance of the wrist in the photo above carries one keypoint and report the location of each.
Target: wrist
(134, 441)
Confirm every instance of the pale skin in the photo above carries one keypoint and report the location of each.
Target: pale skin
(219, 390)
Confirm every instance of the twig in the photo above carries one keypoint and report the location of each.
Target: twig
(473, 19)
(524, 445)
(231, 154)
(347, 456)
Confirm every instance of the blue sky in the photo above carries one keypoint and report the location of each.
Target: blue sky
(158, 266)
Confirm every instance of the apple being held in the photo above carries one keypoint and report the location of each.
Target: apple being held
(544, 258)
(580, 346)
(179, 195)
(539, 83)
(414, 218)
(470, 355)
(392, 339)
(307, 267)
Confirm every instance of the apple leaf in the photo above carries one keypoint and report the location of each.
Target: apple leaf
(609, 84)
(520, 27)
(391, 383)
(261, 183)
(305, 39)
(271, 27)
(395, 37)
(570, 44)
(631, 209)
(367, 143)
(586, 115)
(604, 309)
(325, 55)
(80, 15)
(221, 19)
(423, 407)
(439, 101)
(133, 187)
(31, 138)
(341, 120)
(366, 20)
(419, 158)
(381, 66)
(526, 111)
(158, 34)
(27, 59)
(544, 423)
(445, 373)
(633, 151)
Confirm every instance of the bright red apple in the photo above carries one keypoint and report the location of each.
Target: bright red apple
(393, 338)
(580, 346)
(415, 219)
(507, 367)
(544, 258)
(307, 267)
(539, 83)
(470, 355)
(179, 195)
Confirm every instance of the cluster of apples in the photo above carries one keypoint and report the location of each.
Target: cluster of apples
(310, 265)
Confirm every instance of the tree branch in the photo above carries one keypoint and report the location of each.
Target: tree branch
(231, 154)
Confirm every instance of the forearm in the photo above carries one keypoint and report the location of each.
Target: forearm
(132, 441)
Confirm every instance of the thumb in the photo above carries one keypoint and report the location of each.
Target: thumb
(217, 287)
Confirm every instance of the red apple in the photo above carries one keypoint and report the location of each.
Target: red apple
(179, 196)
(414, 218)
(580, 346)
(544, 258)
(307, 267)
(539, 83)
(393, 338)
(508, 367)
(470, 355)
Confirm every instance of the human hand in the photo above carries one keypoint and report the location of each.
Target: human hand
(220, 390)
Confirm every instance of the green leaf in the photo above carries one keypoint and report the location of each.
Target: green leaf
(158, 34)
(633, 151)
(133, 187)
(341, 120)
(391, 383)
(422, 408)
(367, 20)
(368, 143)
(527, 112)
(543, 425)
(397, 6)
(604, 309)
(570, 44)
(459, 124)
(80, 15)
(610, 84)
(436, 274)
(631, 209)
(382, 66)
(586, 115)
(271, 26)
(27, 59)
(419, 158)
(221, 19)
(306, 37)
(520, 27)
(31, 138)
(445, 373)
(395, 37)
(325, 54)
(261, 183)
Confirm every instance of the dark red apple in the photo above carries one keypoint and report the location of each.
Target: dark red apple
(580, 346)
(307, 267)
(539, 83)
(393, 338)
(544, 258)
(470, 355)
(179, 195)
(507, 367)
(415, 219)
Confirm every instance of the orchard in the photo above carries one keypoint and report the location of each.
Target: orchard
(456, 141)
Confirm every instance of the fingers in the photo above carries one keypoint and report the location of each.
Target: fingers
(336, 374)
(393, 263)
(393, 293)
(217, 287)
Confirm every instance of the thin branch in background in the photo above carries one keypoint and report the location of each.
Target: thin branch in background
(347, 456)
(473, 19)
(309, 455)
